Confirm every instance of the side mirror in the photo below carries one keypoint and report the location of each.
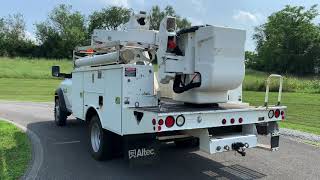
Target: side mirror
(55, 71)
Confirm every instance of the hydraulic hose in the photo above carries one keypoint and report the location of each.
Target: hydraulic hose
(180, 89)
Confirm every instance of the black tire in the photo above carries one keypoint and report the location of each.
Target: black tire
(60, 116)
(189, 142)
(104, 149)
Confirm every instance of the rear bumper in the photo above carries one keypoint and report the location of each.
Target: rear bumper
(150, 121)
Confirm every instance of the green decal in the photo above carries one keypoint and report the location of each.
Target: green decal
(117, 100)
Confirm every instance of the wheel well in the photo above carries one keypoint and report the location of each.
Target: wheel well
(90, 112)
(56, 96)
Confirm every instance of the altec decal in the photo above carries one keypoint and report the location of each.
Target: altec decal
(135, 153)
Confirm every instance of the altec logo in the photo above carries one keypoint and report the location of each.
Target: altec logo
(135, 153)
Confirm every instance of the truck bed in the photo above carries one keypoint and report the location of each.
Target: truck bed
(171, 106)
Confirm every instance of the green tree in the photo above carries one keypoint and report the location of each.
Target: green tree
(289, 42)
(156, 15)
(13, 41)
(251, 60)
(2, 37)
(114, 17)
(61, 32)
(110, 18)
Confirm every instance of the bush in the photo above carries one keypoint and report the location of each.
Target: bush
(256, 81)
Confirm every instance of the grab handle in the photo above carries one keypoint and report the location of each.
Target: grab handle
(266, 99)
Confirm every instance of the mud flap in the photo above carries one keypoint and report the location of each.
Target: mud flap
(141, 148)
(274, 142)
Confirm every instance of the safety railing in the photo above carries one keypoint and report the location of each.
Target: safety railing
(266, 99)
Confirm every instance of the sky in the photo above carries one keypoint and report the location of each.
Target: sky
(243, 14)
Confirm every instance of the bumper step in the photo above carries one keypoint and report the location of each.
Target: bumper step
(226, 143)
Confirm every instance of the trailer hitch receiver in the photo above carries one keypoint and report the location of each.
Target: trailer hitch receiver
(239, 147)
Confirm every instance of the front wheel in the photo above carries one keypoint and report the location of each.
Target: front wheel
(60, 116)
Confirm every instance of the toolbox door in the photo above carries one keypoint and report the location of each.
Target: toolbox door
(77, 95)
(112, 100)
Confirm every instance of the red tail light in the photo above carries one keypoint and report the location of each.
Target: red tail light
(277, 113)
(232, 121)
(224, 121)
(240, 120)
(169, 121)
(160, 122)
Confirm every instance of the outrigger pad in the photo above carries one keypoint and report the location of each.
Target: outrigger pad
(141, 148)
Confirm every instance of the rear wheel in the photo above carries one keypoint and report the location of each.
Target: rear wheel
(101, 140)
(60, 116)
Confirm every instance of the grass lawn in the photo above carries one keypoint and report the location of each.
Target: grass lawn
(303, 111)
(28, 89)
(15, 151)
(31, 68)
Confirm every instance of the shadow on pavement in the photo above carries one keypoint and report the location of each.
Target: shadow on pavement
(66, 156)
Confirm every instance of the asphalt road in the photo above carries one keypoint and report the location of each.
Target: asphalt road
(66, 155)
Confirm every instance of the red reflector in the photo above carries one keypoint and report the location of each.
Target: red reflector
(154, 121)
(282, 115)
(232, 121)
(160, 122)
(224, 121)
(240, 120)
(277, 113)
(169, 121)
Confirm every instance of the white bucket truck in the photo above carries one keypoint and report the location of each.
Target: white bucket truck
(114, 88)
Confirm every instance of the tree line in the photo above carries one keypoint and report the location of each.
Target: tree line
(65, 28)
